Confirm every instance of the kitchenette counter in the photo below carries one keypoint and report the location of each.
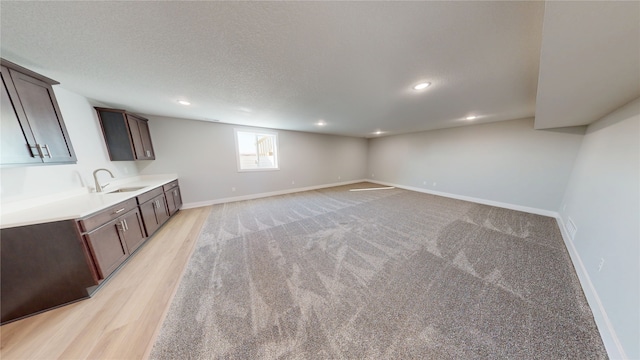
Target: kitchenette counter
(78, 203)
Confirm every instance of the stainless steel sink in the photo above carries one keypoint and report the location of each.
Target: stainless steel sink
(125, 189)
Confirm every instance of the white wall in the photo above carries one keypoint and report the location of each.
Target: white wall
(17, 183)
(505, 162)
(204, 157)
(603, 200)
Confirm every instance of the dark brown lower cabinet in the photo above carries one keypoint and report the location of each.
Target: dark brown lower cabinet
(172, 195)
(174, 200)
(44, 266)
(112, 243)
(107, 248)
(154, 213)
(133, 230)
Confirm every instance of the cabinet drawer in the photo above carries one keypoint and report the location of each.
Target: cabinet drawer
(170, 185)
(143, 198)
(93, 221)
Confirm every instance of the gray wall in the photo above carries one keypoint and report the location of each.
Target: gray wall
(204, 157)
(603, 200)
(24, 182)
(507, 162)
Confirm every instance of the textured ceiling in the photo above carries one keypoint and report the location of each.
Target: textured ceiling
(289, 64)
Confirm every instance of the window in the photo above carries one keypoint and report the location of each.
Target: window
(257, 150)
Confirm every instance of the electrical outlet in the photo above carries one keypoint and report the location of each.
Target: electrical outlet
(233, 189)
(339, 177)
(434, 183)
(293, 182)
(601, 264)
(373, 175)
(424, 183)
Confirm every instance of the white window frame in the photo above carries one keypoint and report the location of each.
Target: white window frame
(262, 132)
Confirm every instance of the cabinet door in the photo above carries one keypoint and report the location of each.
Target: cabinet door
(141, 138)
(107, 247)
(133, 230)
(117, 136)
(41, 109)
(162, 212)
(174, 201)
(154, 213)
(17, 144)
(145, 136)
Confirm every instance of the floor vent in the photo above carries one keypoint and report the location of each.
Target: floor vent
(571, 228)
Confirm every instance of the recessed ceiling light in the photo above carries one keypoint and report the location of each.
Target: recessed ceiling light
(378, 132)
(321, 123)
(472, 117)
(421, 86)
(183, 102)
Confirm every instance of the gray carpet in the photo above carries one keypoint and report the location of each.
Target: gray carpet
(384, 274)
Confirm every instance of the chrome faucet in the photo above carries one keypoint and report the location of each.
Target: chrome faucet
(98, 186)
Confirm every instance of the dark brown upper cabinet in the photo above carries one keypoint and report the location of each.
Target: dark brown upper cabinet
(127, 135)
(33, 131)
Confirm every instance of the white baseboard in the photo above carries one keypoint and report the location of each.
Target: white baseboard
(607, 331)
(266, 194)
(472, 199)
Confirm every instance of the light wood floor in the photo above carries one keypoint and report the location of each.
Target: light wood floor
(123, 318)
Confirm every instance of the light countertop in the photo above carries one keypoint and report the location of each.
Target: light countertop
(77, 204)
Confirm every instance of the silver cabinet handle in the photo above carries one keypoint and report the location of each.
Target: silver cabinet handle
(118, 211)
(148, 153)
(40, 153)
(48, 150)
(122, 225)
(175, 192)
(126, 226)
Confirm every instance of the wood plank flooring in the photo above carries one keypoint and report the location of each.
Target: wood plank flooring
(122, 319)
